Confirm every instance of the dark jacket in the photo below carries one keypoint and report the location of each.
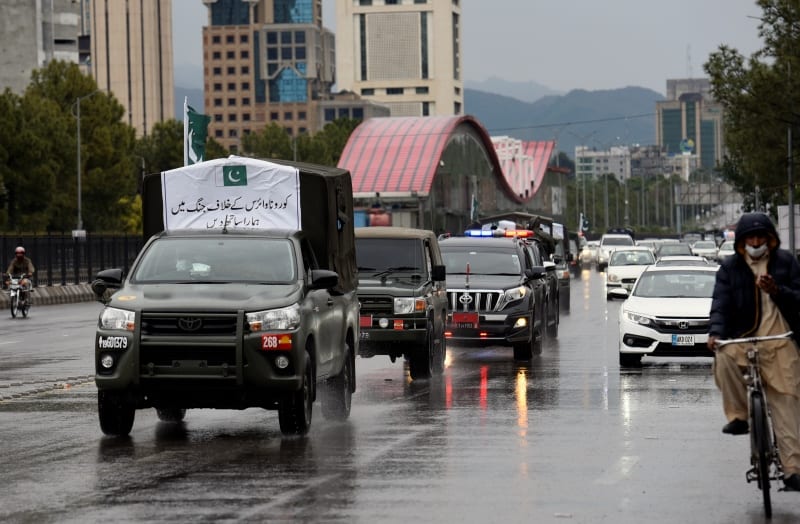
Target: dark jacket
(736, 304)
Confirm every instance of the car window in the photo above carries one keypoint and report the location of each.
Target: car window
(456, 260)
(631, 258)
(674, 284)
(617, 241)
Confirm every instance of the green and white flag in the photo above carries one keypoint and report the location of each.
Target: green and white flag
(195, 130)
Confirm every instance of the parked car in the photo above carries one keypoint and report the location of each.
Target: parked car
(726, 249)
(705, 248)
(667, 314)
(608, 243)
(624, 267)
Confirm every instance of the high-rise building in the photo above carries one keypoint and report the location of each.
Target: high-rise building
(689, 122)
(131, 56)
(405, 54)
(31, 34)
(266, 61)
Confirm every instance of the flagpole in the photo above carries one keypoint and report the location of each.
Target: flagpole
(185, 130)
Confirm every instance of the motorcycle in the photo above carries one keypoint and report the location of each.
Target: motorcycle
(19, 296)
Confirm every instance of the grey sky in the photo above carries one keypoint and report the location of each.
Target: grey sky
(562, 44)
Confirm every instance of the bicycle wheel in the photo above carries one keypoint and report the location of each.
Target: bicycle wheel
(762, 446)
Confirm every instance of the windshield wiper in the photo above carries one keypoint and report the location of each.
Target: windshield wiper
(365, 268)
(390, 270)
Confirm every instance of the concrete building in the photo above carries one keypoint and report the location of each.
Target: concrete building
(591, 163)
(405, 54)
(131, 56)
(690, 121)
(33, 32)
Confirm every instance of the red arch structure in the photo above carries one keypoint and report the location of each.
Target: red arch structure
(400, 155)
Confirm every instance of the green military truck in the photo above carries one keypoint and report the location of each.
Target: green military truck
(402, 292)
(243, 296)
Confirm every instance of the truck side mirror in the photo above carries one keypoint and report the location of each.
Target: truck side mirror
(106, 280)
(438, 273)
(324, 279)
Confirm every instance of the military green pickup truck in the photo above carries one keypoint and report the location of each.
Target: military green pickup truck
(245, 299)
(402, 292)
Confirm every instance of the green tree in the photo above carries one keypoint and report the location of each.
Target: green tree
(270, 142)
(760, 95)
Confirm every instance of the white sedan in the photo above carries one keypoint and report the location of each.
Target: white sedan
(667, 314)
(624, 267)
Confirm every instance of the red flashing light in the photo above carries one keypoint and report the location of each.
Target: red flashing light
(519, 233)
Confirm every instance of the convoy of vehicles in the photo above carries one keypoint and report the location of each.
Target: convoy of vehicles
(243, 296)
(401, 290)
(624, 267)
(608, 243)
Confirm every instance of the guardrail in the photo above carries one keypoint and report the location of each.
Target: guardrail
(60, 259)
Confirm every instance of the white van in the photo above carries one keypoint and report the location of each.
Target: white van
(608, 243)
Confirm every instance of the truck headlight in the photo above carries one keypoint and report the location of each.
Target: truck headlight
(637, 318)
(113, 318)
(406, 305)
(516, 293)
(286, 318)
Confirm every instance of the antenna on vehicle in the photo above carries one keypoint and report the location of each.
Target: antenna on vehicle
(225, 225)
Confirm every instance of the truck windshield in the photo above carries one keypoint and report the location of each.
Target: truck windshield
(385, 256)
(501, 262)
(217, 260)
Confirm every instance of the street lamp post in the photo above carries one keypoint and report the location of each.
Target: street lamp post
(79, 230)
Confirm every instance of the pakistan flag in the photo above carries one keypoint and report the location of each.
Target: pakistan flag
(195, 130)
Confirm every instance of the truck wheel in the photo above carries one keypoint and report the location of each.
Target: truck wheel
(420, 363)
(171, 414)
(338, 392)
(441, 352)
(552, 329)
(294, 410)
(115, 413)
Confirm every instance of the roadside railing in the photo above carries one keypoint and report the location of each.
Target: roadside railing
(59, 259)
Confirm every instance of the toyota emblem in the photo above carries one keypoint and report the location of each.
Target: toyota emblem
(190, 323)
(465, 298)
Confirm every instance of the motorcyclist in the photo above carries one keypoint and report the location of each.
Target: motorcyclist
(21, 265)
(757, 293)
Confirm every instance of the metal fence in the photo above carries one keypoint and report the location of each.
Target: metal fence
(60, 259)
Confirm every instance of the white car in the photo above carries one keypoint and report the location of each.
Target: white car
(705, 248)
(608, 243)
(624, 267)
(684, 260)
(667, 314)
(726, 249)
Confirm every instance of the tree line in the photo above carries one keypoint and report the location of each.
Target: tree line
(39, 154)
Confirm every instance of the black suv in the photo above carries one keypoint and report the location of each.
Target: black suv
(401, 290)
(552, 310)
(495, 294)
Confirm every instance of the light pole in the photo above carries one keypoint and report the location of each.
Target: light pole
(79, 229)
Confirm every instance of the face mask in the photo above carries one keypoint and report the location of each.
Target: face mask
(756, 252)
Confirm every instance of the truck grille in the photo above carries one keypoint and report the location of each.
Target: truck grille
(161, 355)
(376, 304)
(473, 300)
(194, 324)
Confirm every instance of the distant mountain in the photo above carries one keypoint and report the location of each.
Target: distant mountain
(525, 91)
(195, 100)
(592, 118)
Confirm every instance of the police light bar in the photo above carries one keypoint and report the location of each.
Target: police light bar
(514, 233)
(519, 233)
(480, 233)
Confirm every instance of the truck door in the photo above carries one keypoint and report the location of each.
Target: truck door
(329, 317)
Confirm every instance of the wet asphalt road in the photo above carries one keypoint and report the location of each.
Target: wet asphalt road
(566, 438)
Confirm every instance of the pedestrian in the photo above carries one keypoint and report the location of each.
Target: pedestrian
(757, 293)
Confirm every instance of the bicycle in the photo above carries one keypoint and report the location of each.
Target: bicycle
(764, 458)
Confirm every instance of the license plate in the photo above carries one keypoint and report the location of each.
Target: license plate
(366, 321)
(465, 320)
(365, 335)
(683, 340)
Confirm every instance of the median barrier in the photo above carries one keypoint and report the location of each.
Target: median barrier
(49, 295)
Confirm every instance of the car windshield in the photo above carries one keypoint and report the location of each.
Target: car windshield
(705, 244)
(618, 241)
(216, 260)
(675, 284)
(500, 262)
(631, 258)
(674, 249)
(389, 255)
(683, 261)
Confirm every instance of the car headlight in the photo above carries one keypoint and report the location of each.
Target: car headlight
(612, 277)
(286, 318)
(113, 318)
(516, 293)
(638, 319)
(406, 305)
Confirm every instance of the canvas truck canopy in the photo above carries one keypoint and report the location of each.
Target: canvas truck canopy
(254, 194)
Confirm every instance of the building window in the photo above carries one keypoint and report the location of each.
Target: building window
(217, 71)
(216, 55)
(245, 70)
(218, 133)
(272, 53)
(426, 109)
(423, 32)
(232, 117)
(272, 69)
(288, 115)
(286, 37)
(272, 37)
(246, 131)
(244, 39)
(300, 52)
(364, 2)
(367, 92)
(234, 149)
(230, 55)
(246, 101)
(286, 53)
(245, 86)
(394, 90)
(244, 54)
(457, 108)
(229, 39)
(302, 130)
(274, 115)
(217, 117)
(246, 116)
(420, 1)
(217, 87)
(362, 29)
(390, 2)
(231, 86)
(344, 112)
(217, 102)
(301, 115)
(299, 37)
(232, 133)
(231, 102)
(216, 39)
(422, 90)
(330, 114)
(231, 70)
(358, 113)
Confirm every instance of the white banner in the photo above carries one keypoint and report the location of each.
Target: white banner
(234, 192)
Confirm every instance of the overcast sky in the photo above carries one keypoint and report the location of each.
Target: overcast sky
(562, 44)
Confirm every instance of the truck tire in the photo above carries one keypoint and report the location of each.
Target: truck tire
(337, 392)
(441, 352)
(115, 413)
(171, 414)
(421, 360)
(294, 409)
(552, 329)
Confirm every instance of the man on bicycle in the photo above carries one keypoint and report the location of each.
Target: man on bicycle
(21, 265)
(757, 293)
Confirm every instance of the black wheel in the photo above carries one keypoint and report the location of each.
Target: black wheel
(13, 305)
(526, 350)
(421, 360)
(25, 307)
(294, 410)
(630, 360)
(115, 413)
(761, 442)
(552, 329)
(440, 344)
(171, 414)
(338, 391)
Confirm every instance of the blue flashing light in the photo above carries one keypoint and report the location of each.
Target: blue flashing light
(478, 233)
